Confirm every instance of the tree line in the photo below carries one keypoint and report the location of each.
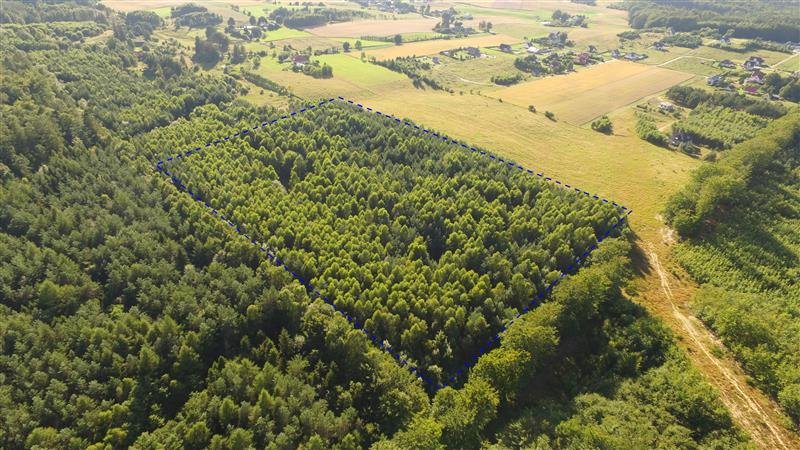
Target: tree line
(739, 218)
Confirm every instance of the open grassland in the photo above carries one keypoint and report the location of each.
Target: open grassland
(259, 96)
(623, 168)
(581, 96)
(304, 42)
(360, 72)
(473, 73)
(351, 77)
(769, 56)
(790, 64)
(693, 65)
(433, 47)
(284, 33)
(388, 27)
(365, 43)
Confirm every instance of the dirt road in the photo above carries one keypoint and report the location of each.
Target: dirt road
(753, 411)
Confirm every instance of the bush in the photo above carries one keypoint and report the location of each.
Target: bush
(646, 129)
(550, 115)
(507, 79)
(531, 108)
(603, 125)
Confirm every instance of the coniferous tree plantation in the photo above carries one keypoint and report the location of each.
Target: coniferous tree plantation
(433, 247)
(130, 317)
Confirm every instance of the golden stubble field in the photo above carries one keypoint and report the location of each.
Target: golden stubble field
(581, 96)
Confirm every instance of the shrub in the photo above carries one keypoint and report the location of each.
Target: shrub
(531, 108)
(550, 115)
(507, 79)
(646, 129)
(603, 125)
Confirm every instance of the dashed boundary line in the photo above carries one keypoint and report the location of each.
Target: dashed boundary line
(161, 167)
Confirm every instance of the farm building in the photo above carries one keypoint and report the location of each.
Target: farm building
(299, 60)
(715, 80)
(473, 52)
(633, 56)
(756, 77)
(753, 62)
(582, 59)
(505, 48)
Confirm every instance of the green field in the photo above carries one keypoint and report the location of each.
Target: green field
(359, 72)
(284, 33)
(474, 73)
(365, 43)
(693, 65)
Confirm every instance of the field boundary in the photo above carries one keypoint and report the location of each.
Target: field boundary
(162, 167)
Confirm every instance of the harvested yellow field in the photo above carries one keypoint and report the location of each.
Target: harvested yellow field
(432, 47)
(360, 28)
(586, 94)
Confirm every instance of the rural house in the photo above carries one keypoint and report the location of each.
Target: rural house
(299, 60)
(435, 59)
(666, 107)
(473, 52)
(756, 77)
(633, 56)
(582, 59)
(660, 46)
(505, 48)
(753, 62)
(615, 54)
(715, 80)
(727, 64)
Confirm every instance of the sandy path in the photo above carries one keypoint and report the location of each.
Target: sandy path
(753, 411)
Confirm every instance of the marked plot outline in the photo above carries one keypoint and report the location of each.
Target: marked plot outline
(164, 167)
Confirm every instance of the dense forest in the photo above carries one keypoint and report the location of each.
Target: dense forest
(432, 247)
(741, 220)
(130, 318)
(765, 19)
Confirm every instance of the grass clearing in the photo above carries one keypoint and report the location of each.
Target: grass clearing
(473, 73)
(432, 47)
(791, 64)
(359, 72)
(284, 33)
(365, 43)
(581, 96)
(769, 56)
(693, 65)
